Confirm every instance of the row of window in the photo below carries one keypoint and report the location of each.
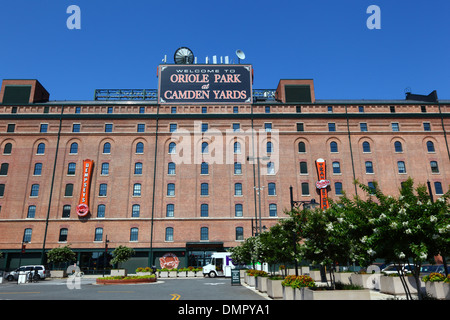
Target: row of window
(363, 127)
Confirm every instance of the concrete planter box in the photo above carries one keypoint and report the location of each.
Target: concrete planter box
(288, 293)
(274, 289)
(251, 281)
(308, 294)
(393, 285)
(343, 277)
(164, 274)
(261, 284)
(191, 273)
(143, 273)
(182, 274)
(118, 272)
(173, 274)
(367, 281)
(315, 275)
(58, 273)
(438, 290)
(301, 270)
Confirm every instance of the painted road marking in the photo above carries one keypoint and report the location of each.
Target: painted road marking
(175, 296)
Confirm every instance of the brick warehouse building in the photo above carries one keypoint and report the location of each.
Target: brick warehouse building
(173, 177)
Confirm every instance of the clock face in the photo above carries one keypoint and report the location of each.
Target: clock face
(184, 56)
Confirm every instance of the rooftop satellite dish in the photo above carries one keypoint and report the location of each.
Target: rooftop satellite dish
(240, 54)
(183, 55)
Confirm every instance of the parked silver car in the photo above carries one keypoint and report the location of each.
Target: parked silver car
(42, 272)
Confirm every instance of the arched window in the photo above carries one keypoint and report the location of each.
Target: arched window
(270, 168)
(398, 146)
(66, 211)
(135, 211)
(401, 167)
(137, 190)
(139, 147)
(31, 212)
(239, 233)
(7, 149)
(74, 148)
(434, 167)
(204, 210)
(272, 189)
(138, 168)
(98, 234)
(301, 147)
(27, 235)
(269, 147)
(171, 168)
(41, 148)
(336, 167)
(333, 147)
(204, 233)
(101, 211)
(366, 146)
(169, 234)
(134, 233)
(338, 188)
(63, 235)
(204, 189)
(237, 147)
(204, 147)
(369, 167)
(430, 146)
(172, 148)
(204, 169)
(170, 210)
(238, 189)
(107, 147)
(238, 212)
(272, 210)
(171, 189)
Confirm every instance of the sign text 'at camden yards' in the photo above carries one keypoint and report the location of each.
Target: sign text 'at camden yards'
(205, 83)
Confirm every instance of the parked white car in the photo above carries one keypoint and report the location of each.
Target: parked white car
(14, 275)
(390, 269)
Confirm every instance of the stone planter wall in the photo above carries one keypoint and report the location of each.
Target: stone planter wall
(301, 270)
(438, 290)
(261, 284)
(274, 289)
(251, 280)
(343, 277)
(118, 272)
(308, 294)
(58, 273)
(393, 285)
(124, 281)
(367, 281)
(315, 275)
(288, 293)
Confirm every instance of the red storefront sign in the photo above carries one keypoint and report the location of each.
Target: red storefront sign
(83, 204)
(322, 184)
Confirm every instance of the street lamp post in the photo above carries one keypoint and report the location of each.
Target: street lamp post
(104, 254)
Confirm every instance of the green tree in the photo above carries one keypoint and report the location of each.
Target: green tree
(121, 254)
(61, 255)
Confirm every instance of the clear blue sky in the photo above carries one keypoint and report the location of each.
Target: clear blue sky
(121, 43)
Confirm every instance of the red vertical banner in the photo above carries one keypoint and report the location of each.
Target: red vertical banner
(83, 204)
(322, 184)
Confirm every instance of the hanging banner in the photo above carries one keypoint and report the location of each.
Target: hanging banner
(205, 83)
(83, 206)
(322, 184)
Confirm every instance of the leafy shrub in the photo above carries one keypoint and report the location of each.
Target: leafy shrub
(434, 277)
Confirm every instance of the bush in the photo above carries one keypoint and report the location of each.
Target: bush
(129, 277)
(298, 282)
(434, 277)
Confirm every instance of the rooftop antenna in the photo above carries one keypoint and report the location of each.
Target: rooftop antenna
(241, 55)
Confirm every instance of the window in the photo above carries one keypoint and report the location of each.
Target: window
(37, 169)
(434, 167)
(44, 127)
(173, 110)
(170, 210)
(237, 168)
(270, 168)
(238, 212)
(66, 211)
(141, 127)
(366, 147)
(76, 127)
(108, 127)
(338, 188)
(361, 109)
(204, 127)
(331, 127)
(272, 210)
(98, 234)
(423, 109)
(204, 210)
(267, 109)
(204, 109)
(272, 189)
(204, 233)
(110, 110)
(137, 190)
(238, 189)
(135, 211)
(71, 168)
(369, 167)
(134, 232)
(34, 190)
(169, 234)
(426, 126)
(392, 109)
(268, 127)
(372, 188)
(63, 235)
(300, 127)
(31, 212)
(269, 147)
(298, 109)
(236, 127)
(69, 190)
(398, 146)
(27, 235)
(138, 168)
(301, 147)
(363, 126)
(103, 190)
(395, 126)
(41, 148)
(101, 211)
(4, 169)
(401, 167)
(107, 147)
(2, 190)
(239, 233)
(235, 109)
(74, 148)
(237, 147)
(204, 168)
(11, 128)
(330, 109)
(204, 147)
(140, 148)
(77, 109)
(204, 189)
(438, 188)
(172, 148)
(305, 189)
(333, 147)
(336, 167)
(105, 169)
(7, 149)
(171, 168)
(303, 167)
(172, 127)
(171, 189)
(430, 146)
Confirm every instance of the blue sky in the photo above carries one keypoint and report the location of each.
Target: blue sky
(121, 43)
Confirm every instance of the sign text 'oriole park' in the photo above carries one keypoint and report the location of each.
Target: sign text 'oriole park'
(205, 83)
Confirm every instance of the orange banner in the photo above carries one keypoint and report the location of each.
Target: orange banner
(83, 206)
(322, 184)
